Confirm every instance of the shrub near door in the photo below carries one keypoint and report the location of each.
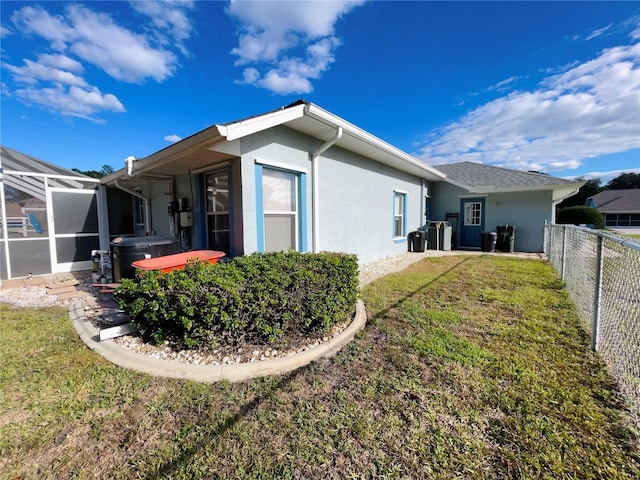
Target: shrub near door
(258, 298)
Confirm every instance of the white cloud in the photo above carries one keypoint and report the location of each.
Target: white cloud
(588, 110)
(172, 138)
(80, 36)
(271, 33)
(249, 75)
(95, 38)
(285, 83)
(599, 32)
(75, 101)
(170, 18)
(4, 32)
(45, 70)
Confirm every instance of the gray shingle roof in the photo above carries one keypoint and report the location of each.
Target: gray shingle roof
(479, 176)
(617, 201)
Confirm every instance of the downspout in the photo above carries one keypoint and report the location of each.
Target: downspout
(315, 199)
(423, 204)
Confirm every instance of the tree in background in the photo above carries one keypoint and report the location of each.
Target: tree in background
(624, 181)
(579, 215)
(589, 189)
(106, 170)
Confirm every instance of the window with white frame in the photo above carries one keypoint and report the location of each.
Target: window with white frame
(280, 203)
(399, 214)
(472, 213)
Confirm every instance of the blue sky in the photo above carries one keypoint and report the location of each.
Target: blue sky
(547, 86)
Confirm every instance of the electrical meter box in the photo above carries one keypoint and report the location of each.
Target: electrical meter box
(186, 219)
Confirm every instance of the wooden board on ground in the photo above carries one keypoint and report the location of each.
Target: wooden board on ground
(60, 290)
(64, 283)
(117, 331)
(74, 294)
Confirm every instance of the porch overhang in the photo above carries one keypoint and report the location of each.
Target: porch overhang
(192, 153)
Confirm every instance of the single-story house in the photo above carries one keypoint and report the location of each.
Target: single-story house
(295, 178)
(49, 220)
(620, 208)
(481, 197)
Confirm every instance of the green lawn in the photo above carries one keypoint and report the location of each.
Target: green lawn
(469, 367)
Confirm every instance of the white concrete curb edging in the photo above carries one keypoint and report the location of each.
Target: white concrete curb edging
(125, 358)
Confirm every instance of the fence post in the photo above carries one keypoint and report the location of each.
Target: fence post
(597, 294)
(564, 252)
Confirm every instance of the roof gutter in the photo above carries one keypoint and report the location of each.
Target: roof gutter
(315, 199)
(319, 113)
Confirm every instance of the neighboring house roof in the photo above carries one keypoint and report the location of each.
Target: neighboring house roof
(616, 201)
(220, 141)
(484, 179)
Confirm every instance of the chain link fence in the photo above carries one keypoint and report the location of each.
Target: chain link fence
(602, 275)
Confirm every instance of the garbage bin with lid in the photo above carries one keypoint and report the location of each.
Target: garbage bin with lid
(439, 235)
(506, 238)
(489, 240)
(417, 241)
(126, 250)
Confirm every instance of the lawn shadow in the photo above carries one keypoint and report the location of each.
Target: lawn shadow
(421, 289)
(165, 470)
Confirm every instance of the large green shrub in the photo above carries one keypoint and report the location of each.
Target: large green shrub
(579, 215)
(260, 298)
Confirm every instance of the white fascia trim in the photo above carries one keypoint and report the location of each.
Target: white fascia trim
(252, 125)
(282, 166)
(478, 195)
(525, 188)
(323, 115)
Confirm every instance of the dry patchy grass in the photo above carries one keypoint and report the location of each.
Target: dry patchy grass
(468, 368)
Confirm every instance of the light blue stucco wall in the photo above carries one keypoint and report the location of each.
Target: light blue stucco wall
(357, 205)
(279, 145)
(355, 195)
(528, 211)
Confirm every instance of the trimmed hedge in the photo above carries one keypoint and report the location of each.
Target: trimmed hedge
(258, 298)
(579, 215)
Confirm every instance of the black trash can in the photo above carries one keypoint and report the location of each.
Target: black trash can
(506, 238)
(126, 250)
(417, 241)
(489, 240)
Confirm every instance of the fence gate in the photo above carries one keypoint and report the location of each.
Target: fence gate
(73, 223)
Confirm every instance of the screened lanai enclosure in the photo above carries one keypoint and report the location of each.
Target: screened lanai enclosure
(49, 221)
